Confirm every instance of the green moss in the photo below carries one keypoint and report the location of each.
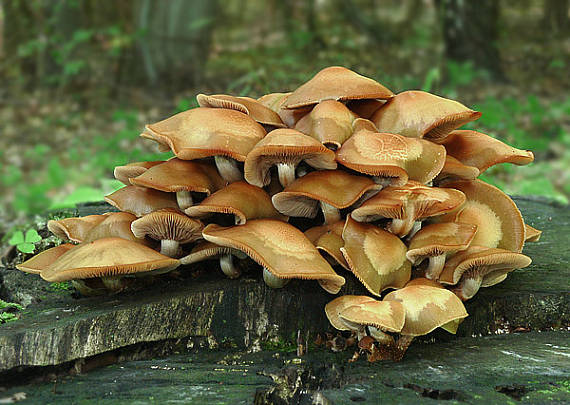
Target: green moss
(60, 287)
(279, 345)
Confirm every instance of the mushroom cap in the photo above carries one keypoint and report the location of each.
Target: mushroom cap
(440, 239)
(181, 175)
(531, 234)
(275, 102)
(203, 132)
(365, 108)
(124, 173)
(328, 238)
(476, 149)
(114, 225)
(334, 187)
(424, 281)
(168, 224)
(391, 155)
(279, 247)
(74, 229)
(418, 114)
(388, 316)
(490, 263)
(376, 257)
(413, 199)
(336, 83)
(106, 257)
(427, 308)
(141, 201)
(334, 308)
(204, 251)
(498, 219)
(39, 262)
(246, 105)
(241, 199)
(285, 146)
(454, 169)
(330, 122)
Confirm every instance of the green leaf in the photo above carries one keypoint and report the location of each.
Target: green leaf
(17, 238)
(32, 236)
(26, 247)
(4, 304)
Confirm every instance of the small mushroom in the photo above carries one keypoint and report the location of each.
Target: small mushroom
(126, 172)
(328, 239)
(418, 114)
(436, 242)
(335, 307)
(285, 148)
(380, 317)
(114, 225)
(140, 200)
(453, 169)
(208, 250)
(275, 102)
(74, 229)
(531, 234)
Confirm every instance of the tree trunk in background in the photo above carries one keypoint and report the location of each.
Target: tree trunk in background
(555, 18)
(470, 33)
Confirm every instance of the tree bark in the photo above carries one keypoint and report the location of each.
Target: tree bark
(555, 16)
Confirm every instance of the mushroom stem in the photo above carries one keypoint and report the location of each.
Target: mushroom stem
(401, 227)
(227, 167)
(401, 346)
(383, 181)
(272, 280)
(227, 265)
(286, 173)
(332, 214)
(435, 267)
(415, 228)
(380, 336)
(113, 283)
(184, 199)
(468, 286)
(169, 247)
(84, 289)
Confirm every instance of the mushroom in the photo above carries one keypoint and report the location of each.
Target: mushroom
(285, 148)
(365, 108)
(38, 262)
(74, 229)
(336, 83)
(407, 204)
(126, 172)
(531, 234)
(376, 257)
(328, 239)
(228, 135)
(181, 177)
(170, 227)
(141, 201)
(418, 114)
(453, 169)
(114, 225)
(275, 102)
(480, 266)
(390, 156)
(436, 242)
(240, 199)
(282, 250)
(208, 250)
(332, 190)
(335, 307)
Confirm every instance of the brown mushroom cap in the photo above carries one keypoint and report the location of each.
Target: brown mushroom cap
(246, 105)
(285, 146)
(336, 83)
(454, 169)
(203, 132)
(241, 199)
(388, 316)
(114, 225)
(498, 219)
(275, 102)
(204, 251)
(106, 257)
(427, 308)
(376, 257)
(279, 247)
(328, 238)
(392, 156)
(440, 239)
(531, 234)
(168, 224)
(476, 149)
(365, 108)
(74, 229)
(140, 201)
(418, 114)
(339, 304)
(39, 262)
(126, 172)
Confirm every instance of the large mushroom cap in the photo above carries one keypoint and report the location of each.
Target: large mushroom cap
(246, 105)
(126, 172)
(140, 201)
(106, 257)
(336, 83)
(328, 239)
(334, 308)
(280, 248)
(74, 229)
(376, 257)
(388, 316)
(418, 114)
(42, 260)
(114, 225)
(427, 308)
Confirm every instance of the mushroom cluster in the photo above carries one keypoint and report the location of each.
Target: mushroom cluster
(339, 173)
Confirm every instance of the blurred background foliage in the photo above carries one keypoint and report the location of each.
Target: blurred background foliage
(80, 78)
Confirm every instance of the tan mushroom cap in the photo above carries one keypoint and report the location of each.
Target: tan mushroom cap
(42, 260)
(126, 172)
(114, 225)
(476, 149)
(427, 308)
(424, 281)
(241, 199)
(285, 146)
(336, 83)
(454, 169)
(376, 257)
(334, 187)
(330, 122)
(328, 238)
(392, 156)
(205, 251)
(168, 224)
(279, 247)
(418, 114)
(334, 308)
(203, 132)
(246, 105)
(106, 257)
(365, 108)
(498, 219)
(74, 229)
(181, 175)
(388, 316)
(531, 234)
(141, 201)
(275, 102)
